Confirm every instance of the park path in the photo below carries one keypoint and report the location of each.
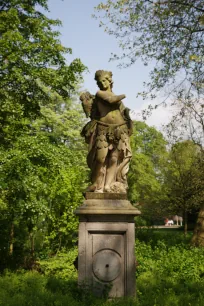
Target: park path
(160, 226)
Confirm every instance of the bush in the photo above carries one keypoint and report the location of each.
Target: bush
(169, 273)
(33, 289)
(61, 265)
(171, 237)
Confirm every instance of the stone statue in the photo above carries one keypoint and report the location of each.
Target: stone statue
(107, 134)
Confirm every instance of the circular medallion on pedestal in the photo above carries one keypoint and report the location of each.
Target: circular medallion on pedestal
(106, 265)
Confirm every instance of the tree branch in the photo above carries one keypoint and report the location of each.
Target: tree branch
(180, 3)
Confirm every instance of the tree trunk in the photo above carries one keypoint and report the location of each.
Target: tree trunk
(185, 218)
(11, 239)
(60, 242)
(32, 245)
(198, 234)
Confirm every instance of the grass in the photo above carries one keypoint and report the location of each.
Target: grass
(169, 273)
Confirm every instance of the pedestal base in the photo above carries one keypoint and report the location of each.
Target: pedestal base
(106, 258)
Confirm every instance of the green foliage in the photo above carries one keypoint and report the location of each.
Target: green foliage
(148, 148)
(169, 32)
(183, 177)
(42, 160)
(31, 289)
(152, 237)
(61, 265)
(169, 272)
(31, 57)
(42, 185)
(145, 176)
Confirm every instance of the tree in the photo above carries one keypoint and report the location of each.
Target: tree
(41, 185)
(188, 123)
(42, 177)
(198, 235)
(31, 56)
(42, 167)
(61, 124)
(146, 169)
(169, 32)
(181, 179)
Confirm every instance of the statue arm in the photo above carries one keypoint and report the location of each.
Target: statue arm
(106, 96)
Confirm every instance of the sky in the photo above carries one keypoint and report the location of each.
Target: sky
(93, 46)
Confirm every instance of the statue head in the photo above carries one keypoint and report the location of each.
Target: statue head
(87, 101)
(104, 79)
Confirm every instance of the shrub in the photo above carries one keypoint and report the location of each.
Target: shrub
(61, 265)
(169, 273)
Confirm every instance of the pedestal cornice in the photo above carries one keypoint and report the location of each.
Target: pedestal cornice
(106, 204)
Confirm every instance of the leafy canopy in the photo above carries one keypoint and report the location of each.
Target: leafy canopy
(145, 176)
(31, 56)
(169, 32)
(42, 160)
(183, 177)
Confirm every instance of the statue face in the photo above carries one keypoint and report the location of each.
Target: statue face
(104, 82)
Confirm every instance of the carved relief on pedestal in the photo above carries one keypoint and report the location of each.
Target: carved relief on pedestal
(106, 265)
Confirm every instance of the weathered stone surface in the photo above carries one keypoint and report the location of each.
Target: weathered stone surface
(105, 196)
(106, 204)
(106, 265)
(107, 245)
(107, 134)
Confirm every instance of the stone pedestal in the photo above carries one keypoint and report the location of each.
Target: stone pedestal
(106, 259)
